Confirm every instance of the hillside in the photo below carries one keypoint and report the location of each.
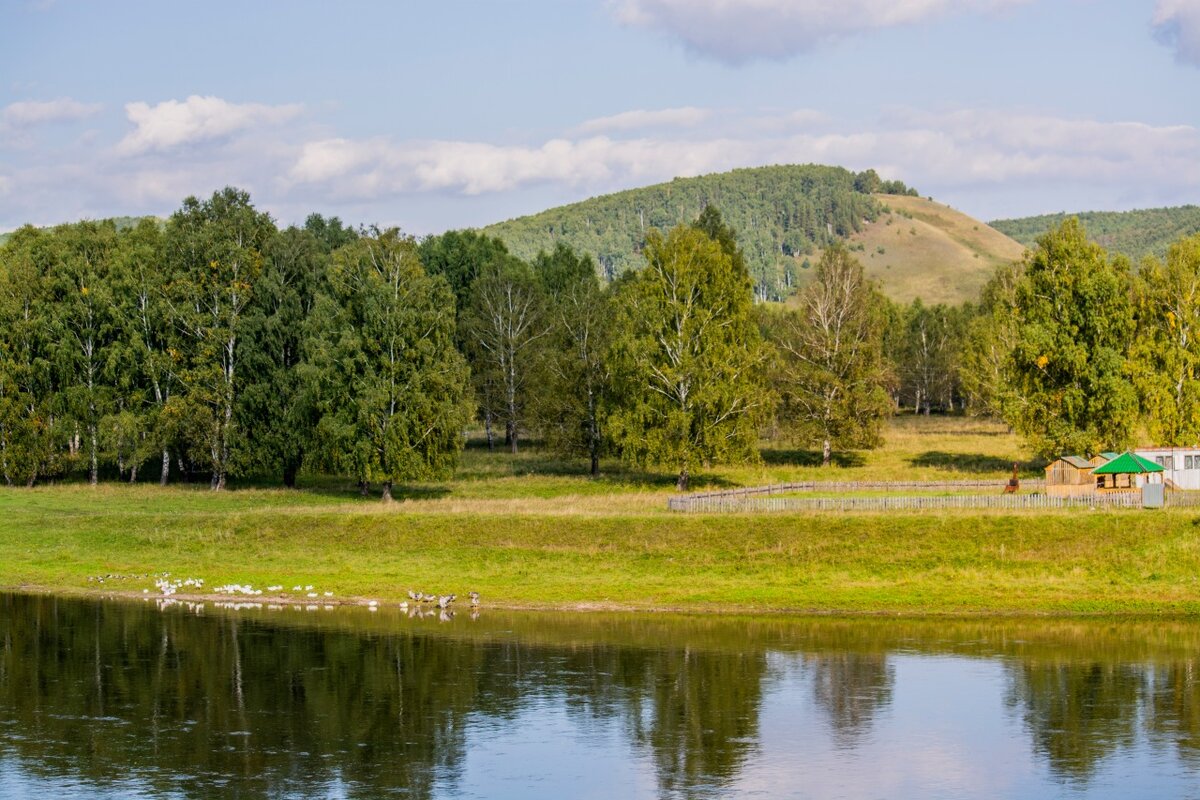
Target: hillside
(122, 223)
(1136, 234)
(919, 248)
(784, 216)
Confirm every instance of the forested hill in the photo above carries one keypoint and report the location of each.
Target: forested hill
(782, 214)
(121, 223)
(1134, 233)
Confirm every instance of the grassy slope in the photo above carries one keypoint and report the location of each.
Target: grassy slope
(532, 532)
(931, 251)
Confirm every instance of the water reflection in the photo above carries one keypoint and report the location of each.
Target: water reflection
(124, 699)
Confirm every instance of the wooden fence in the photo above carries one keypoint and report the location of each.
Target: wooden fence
(730, 502)
(866, 486)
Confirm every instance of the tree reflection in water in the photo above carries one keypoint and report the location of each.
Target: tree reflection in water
(359, 705)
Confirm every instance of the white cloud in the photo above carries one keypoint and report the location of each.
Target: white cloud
(736, 31)
(685, 117)
(171, 124)
(37, 112)
(1177, 23)
(961, 153)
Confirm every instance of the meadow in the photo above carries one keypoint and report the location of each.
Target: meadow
(534, 531)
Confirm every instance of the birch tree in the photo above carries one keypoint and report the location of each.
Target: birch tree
(1165, 357)
(573, 405)
(392, 389)
(831, 375)
(85, 327)
(216, 251)
(504, 327)
(1069, 368)
(689, 359)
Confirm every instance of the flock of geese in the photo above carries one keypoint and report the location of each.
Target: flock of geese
(442, 602)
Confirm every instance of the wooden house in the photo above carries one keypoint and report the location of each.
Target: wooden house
(1072, 476)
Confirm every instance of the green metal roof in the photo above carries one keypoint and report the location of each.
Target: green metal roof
(1127, 464)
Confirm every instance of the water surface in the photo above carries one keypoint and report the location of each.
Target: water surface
(119, 699)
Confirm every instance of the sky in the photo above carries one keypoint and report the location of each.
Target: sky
(451, 114)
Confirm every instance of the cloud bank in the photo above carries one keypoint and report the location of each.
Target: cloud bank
(989, 162)
(1177, 24)
(737, 31)
(172, 124)
(28, 113)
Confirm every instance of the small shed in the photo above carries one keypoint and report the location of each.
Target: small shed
(1072, 476)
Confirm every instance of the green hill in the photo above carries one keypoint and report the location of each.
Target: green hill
(1136, 234)
(122, 223)
(784, 216)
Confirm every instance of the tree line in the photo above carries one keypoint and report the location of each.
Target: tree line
(218, 344)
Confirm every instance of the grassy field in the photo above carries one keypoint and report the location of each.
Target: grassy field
(533, 531)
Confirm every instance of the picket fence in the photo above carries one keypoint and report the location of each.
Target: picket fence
(734, 502)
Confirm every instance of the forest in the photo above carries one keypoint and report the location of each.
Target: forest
(1133, 234)
(219, 345)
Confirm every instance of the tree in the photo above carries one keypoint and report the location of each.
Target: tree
(831, 375)
(29, 427)
(84, 327)
(391, 388)
(149, 352)
(1166, 350)
(275, 409)
(460, 257)
(689, 358)
(1074, 327)
(571, 408)
(930, 341)
(988, 342)
(216, 252)
(504, 325)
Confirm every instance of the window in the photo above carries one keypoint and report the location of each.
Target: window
(1159, 460)
(1169, 462)
(1188, 462)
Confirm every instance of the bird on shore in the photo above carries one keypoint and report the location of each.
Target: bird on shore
(474, 599)
(444, 601)
(414, 596)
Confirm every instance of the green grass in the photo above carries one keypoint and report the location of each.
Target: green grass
(533, 531)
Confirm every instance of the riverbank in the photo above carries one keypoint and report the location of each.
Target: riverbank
(533, 532)
(584, 555)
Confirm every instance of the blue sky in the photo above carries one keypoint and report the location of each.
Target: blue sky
(452, 114)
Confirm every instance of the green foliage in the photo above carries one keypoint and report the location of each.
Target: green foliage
(990, 337)
(391, 388)
(275, 409)
(575, 395)
(1165, 356)
(1068, 368)
(780, 214)
(462, 256)
(830, 374)
(215, 253)
(926, 343)
(688, 358)
(504, 327)
(1133, 234)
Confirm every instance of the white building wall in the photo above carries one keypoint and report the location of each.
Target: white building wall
(1182, 464)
